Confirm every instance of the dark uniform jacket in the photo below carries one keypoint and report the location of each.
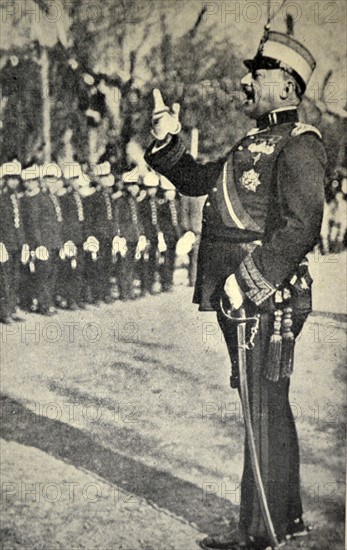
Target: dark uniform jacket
(103, 215)
(169, 221)
(129, 218)
(89, 203)
(150, 218)
(51, 221)
(11, 223)
(31, 214)
(117, 203)
(264, 207)
(73, 217)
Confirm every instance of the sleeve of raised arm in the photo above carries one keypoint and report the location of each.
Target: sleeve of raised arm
(299, 207)
(189, 176)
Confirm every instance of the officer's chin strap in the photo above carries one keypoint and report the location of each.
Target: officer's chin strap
(237, 318)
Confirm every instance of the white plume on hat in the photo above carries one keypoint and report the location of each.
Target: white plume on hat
(51, 170)
(31, 173)
(13, 168)
(151, 179)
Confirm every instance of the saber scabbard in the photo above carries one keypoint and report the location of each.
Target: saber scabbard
(241, 320)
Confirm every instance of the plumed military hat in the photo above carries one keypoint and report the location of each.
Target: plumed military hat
(151, 179)
(13, 168)
(51, 170)
(281, 51)
(32, 172)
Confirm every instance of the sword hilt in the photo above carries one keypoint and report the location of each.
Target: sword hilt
(240, 318)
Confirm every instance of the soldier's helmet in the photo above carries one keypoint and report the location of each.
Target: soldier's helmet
(151, 179)
(51, 170)
(11, 169)
(32, 172)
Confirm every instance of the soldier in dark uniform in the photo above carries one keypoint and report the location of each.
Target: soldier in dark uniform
(72, 265)
(150, 222)
(91, 245)
(103, 224)
(51, 228)
(118, 243)
(170, 225)
(131, 230)
(262, 216)
(12, 237)
(31, 214)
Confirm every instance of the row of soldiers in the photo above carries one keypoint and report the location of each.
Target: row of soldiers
(66, 237)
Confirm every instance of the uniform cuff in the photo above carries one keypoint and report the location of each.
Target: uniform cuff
(253, 283)
(165, 157)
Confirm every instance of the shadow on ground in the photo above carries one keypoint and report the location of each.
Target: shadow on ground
(82, 450)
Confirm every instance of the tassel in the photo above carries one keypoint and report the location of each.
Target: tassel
(73, 263)
(275, 349)
(288, 343)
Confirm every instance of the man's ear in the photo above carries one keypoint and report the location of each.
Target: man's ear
(288, 89)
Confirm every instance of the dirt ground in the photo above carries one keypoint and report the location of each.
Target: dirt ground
(120, 430)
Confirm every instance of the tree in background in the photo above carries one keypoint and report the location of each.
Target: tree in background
(104, 60)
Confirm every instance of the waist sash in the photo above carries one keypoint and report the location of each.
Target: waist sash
(230, 206)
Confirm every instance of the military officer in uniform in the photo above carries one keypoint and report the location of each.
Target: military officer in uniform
(35, 253)
(131, 231)
(118, 242)
(103, 213)
(150, 222)
(12, 238)
(72, 265)
(51, 229)
(262, 215)
(91, 245)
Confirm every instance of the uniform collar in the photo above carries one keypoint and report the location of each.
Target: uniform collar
(278, 116)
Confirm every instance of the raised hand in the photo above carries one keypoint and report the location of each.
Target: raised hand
(164, 120)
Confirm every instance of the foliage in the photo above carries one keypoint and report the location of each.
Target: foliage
(124, 52)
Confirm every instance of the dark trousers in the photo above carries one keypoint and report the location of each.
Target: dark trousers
(168, 268)
(46, 277)
(5, 283)
(274, 432)
(98, 273)
(148, 267)
(70, 283)
(40, 284)
(27, 287)
(125, 272)
(9, 282)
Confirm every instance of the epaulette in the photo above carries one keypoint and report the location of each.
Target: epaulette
(301, 128)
